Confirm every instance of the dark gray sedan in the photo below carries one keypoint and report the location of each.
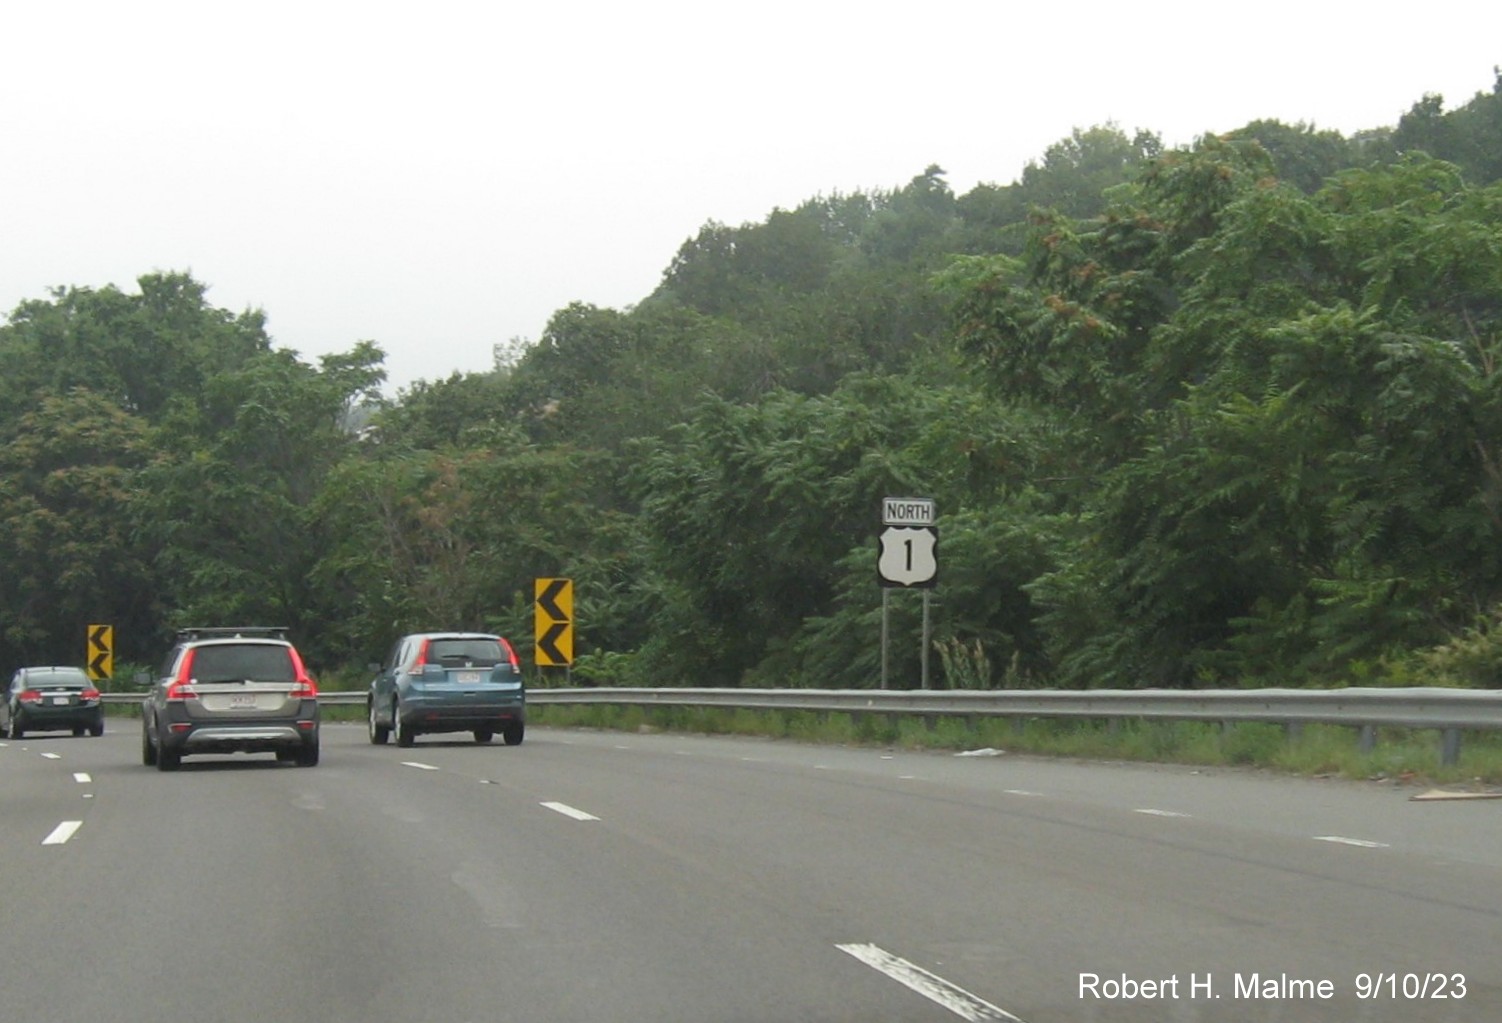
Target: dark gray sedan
(52, 700)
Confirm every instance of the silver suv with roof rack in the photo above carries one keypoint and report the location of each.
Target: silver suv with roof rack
(230, 690)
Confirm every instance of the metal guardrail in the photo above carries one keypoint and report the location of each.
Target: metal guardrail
(1410, 708)
(1450, 711)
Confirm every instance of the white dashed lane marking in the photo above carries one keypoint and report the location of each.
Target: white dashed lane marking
(569, 811)
(1360, 843)
(931, 986)
(63, 832)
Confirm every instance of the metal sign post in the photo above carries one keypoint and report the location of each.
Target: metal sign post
(907, 556)
(885, 605)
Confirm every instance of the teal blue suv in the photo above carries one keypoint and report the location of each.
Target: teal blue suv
(434, 682)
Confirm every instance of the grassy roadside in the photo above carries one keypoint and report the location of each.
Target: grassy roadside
(1401, 755)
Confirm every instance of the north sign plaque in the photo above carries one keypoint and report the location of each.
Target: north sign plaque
(907, 511)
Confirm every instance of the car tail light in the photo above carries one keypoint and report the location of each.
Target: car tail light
(422, 658)
(30, 696)
(516, 665)
(181, 688)
(89, 694)
(304, 688)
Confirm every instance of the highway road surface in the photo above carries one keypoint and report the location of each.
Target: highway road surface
(595, 877)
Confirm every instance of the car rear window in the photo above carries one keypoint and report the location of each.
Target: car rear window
(61, 677)
(465, 653)
(259, 662)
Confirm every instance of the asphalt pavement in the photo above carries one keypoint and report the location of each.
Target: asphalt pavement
(591, 876)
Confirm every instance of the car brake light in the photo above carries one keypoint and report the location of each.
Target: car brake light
(30, 696)
(516, 665)
(89, 694)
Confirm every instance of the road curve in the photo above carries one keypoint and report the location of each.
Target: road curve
(659, 878)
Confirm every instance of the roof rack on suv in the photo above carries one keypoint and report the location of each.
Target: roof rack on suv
(193, 633)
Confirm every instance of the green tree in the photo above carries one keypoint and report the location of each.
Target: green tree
(68, 488)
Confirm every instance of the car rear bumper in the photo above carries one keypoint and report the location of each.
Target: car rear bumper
(446, 715)
(210, 739)
(50, 719)
(184, 735)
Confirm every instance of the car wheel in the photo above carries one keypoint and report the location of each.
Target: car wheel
(404, 735)
(483, 735)
(96, 729)
(513, 734)
(308, 755)
(148, 751)
(378, 733)
(16, 731)
(168, 760)
(78, 732)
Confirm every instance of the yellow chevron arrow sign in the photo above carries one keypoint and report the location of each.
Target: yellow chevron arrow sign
(553, 623)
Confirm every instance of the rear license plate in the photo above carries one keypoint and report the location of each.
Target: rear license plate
(59, 701)
(469, 676)
(245, 701)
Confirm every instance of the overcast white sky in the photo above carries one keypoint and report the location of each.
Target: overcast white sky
(441, 176)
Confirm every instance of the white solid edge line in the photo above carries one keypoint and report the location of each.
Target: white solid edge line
(63, 832)
(936, 989)
(569, 811)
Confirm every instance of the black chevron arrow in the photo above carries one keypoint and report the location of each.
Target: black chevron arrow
(547, 600)
(547, 644)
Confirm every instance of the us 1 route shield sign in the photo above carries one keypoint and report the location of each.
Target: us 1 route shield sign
(908, 556)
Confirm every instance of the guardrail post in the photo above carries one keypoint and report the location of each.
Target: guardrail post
(1293, 731)
(1449, 747)
(1368, 739)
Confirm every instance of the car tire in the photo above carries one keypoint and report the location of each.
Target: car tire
(96, 729)
(148, 751)
(168, 760)
(404, 735)
(378, 733)
(308, 755)
(483, 735)
(513, 734)
(78, 731)
(16, 731)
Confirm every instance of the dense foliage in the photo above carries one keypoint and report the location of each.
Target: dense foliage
(1221, 415)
